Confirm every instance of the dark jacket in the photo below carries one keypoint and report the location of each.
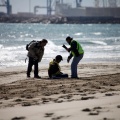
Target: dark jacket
(35, 51)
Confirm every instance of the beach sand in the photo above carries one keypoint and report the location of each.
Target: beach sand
(94, 96)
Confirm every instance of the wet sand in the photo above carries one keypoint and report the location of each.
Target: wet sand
(94, 96)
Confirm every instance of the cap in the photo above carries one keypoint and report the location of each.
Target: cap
(58, 57)
(69, 38)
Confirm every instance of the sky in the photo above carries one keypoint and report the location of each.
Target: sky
(24, 6)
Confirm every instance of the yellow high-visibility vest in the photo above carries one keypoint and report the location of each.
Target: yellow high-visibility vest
(52, 63)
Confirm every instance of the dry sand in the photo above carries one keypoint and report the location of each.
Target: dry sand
(95, 96)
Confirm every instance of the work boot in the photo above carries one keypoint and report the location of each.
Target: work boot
(28, 76)
(38, 77)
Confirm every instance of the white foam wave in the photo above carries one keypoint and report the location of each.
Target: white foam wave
(97, 33)
(99, 42)
(15, 55)
(51, 50)
(78, 34)
(1, 46)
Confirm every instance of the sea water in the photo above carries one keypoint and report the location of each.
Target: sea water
(101, 42)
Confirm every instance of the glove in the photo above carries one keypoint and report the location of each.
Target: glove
(68, 59)
(69, 49)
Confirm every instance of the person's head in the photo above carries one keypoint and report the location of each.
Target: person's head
(58, 58)
(43, 42)
(69, 39)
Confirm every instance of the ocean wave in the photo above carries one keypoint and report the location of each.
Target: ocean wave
(97, 33)
(1, 46)
(78, 34)
(96, 40)
(99, 42)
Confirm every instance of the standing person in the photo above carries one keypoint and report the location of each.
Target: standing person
(54, 70)
(35, 54)
(76, 52)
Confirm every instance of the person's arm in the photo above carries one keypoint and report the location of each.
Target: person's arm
(68, 49)
(40, 55)
(57, 68)
(69, 57)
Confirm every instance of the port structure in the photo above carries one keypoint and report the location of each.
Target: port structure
(7, 5)
(107, 3)
(49, 7)
(78, 3)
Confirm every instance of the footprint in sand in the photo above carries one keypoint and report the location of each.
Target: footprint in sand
(59, 117)
(108, 119)
(109, 94)
(26, 104)
(18, 118)
(49, 114)
(118, 106)
(86, 98)
(18, 100)
(94, 111)
(86, 110)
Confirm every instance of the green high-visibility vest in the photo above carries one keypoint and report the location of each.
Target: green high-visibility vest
(79, 48)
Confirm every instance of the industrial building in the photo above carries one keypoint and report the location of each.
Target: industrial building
(112, 10)
(102, 11)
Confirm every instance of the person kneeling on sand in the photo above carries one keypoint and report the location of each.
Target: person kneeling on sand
(54, 70)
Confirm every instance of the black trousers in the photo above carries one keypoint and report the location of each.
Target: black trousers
(59, 76)
(30, 64)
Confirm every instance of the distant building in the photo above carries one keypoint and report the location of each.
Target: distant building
(66, 10)
(2, 13)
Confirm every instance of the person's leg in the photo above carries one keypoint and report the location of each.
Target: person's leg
(30, 64)
(59, 76)
(36, 68)
(62, 75)
(74, 64)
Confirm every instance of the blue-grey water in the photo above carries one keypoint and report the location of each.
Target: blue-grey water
(101, 42)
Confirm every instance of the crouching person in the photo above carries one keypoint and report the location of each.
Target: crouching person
(35, 54)
(54, 70)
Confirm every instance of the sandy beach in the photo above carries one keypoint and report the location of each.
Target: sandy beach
(94, 96)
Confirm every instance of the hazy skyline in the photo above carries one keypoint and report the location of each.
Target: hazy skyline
(24, 6)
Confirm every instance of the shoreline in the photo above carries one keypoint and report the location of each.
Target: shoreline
(46, 64)
(84, 70)
(94, 96)
(53, 19)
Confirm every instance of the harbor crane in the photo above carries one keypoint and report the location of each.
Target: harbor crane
(7, 5)
(78, 3)
(50, 8)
